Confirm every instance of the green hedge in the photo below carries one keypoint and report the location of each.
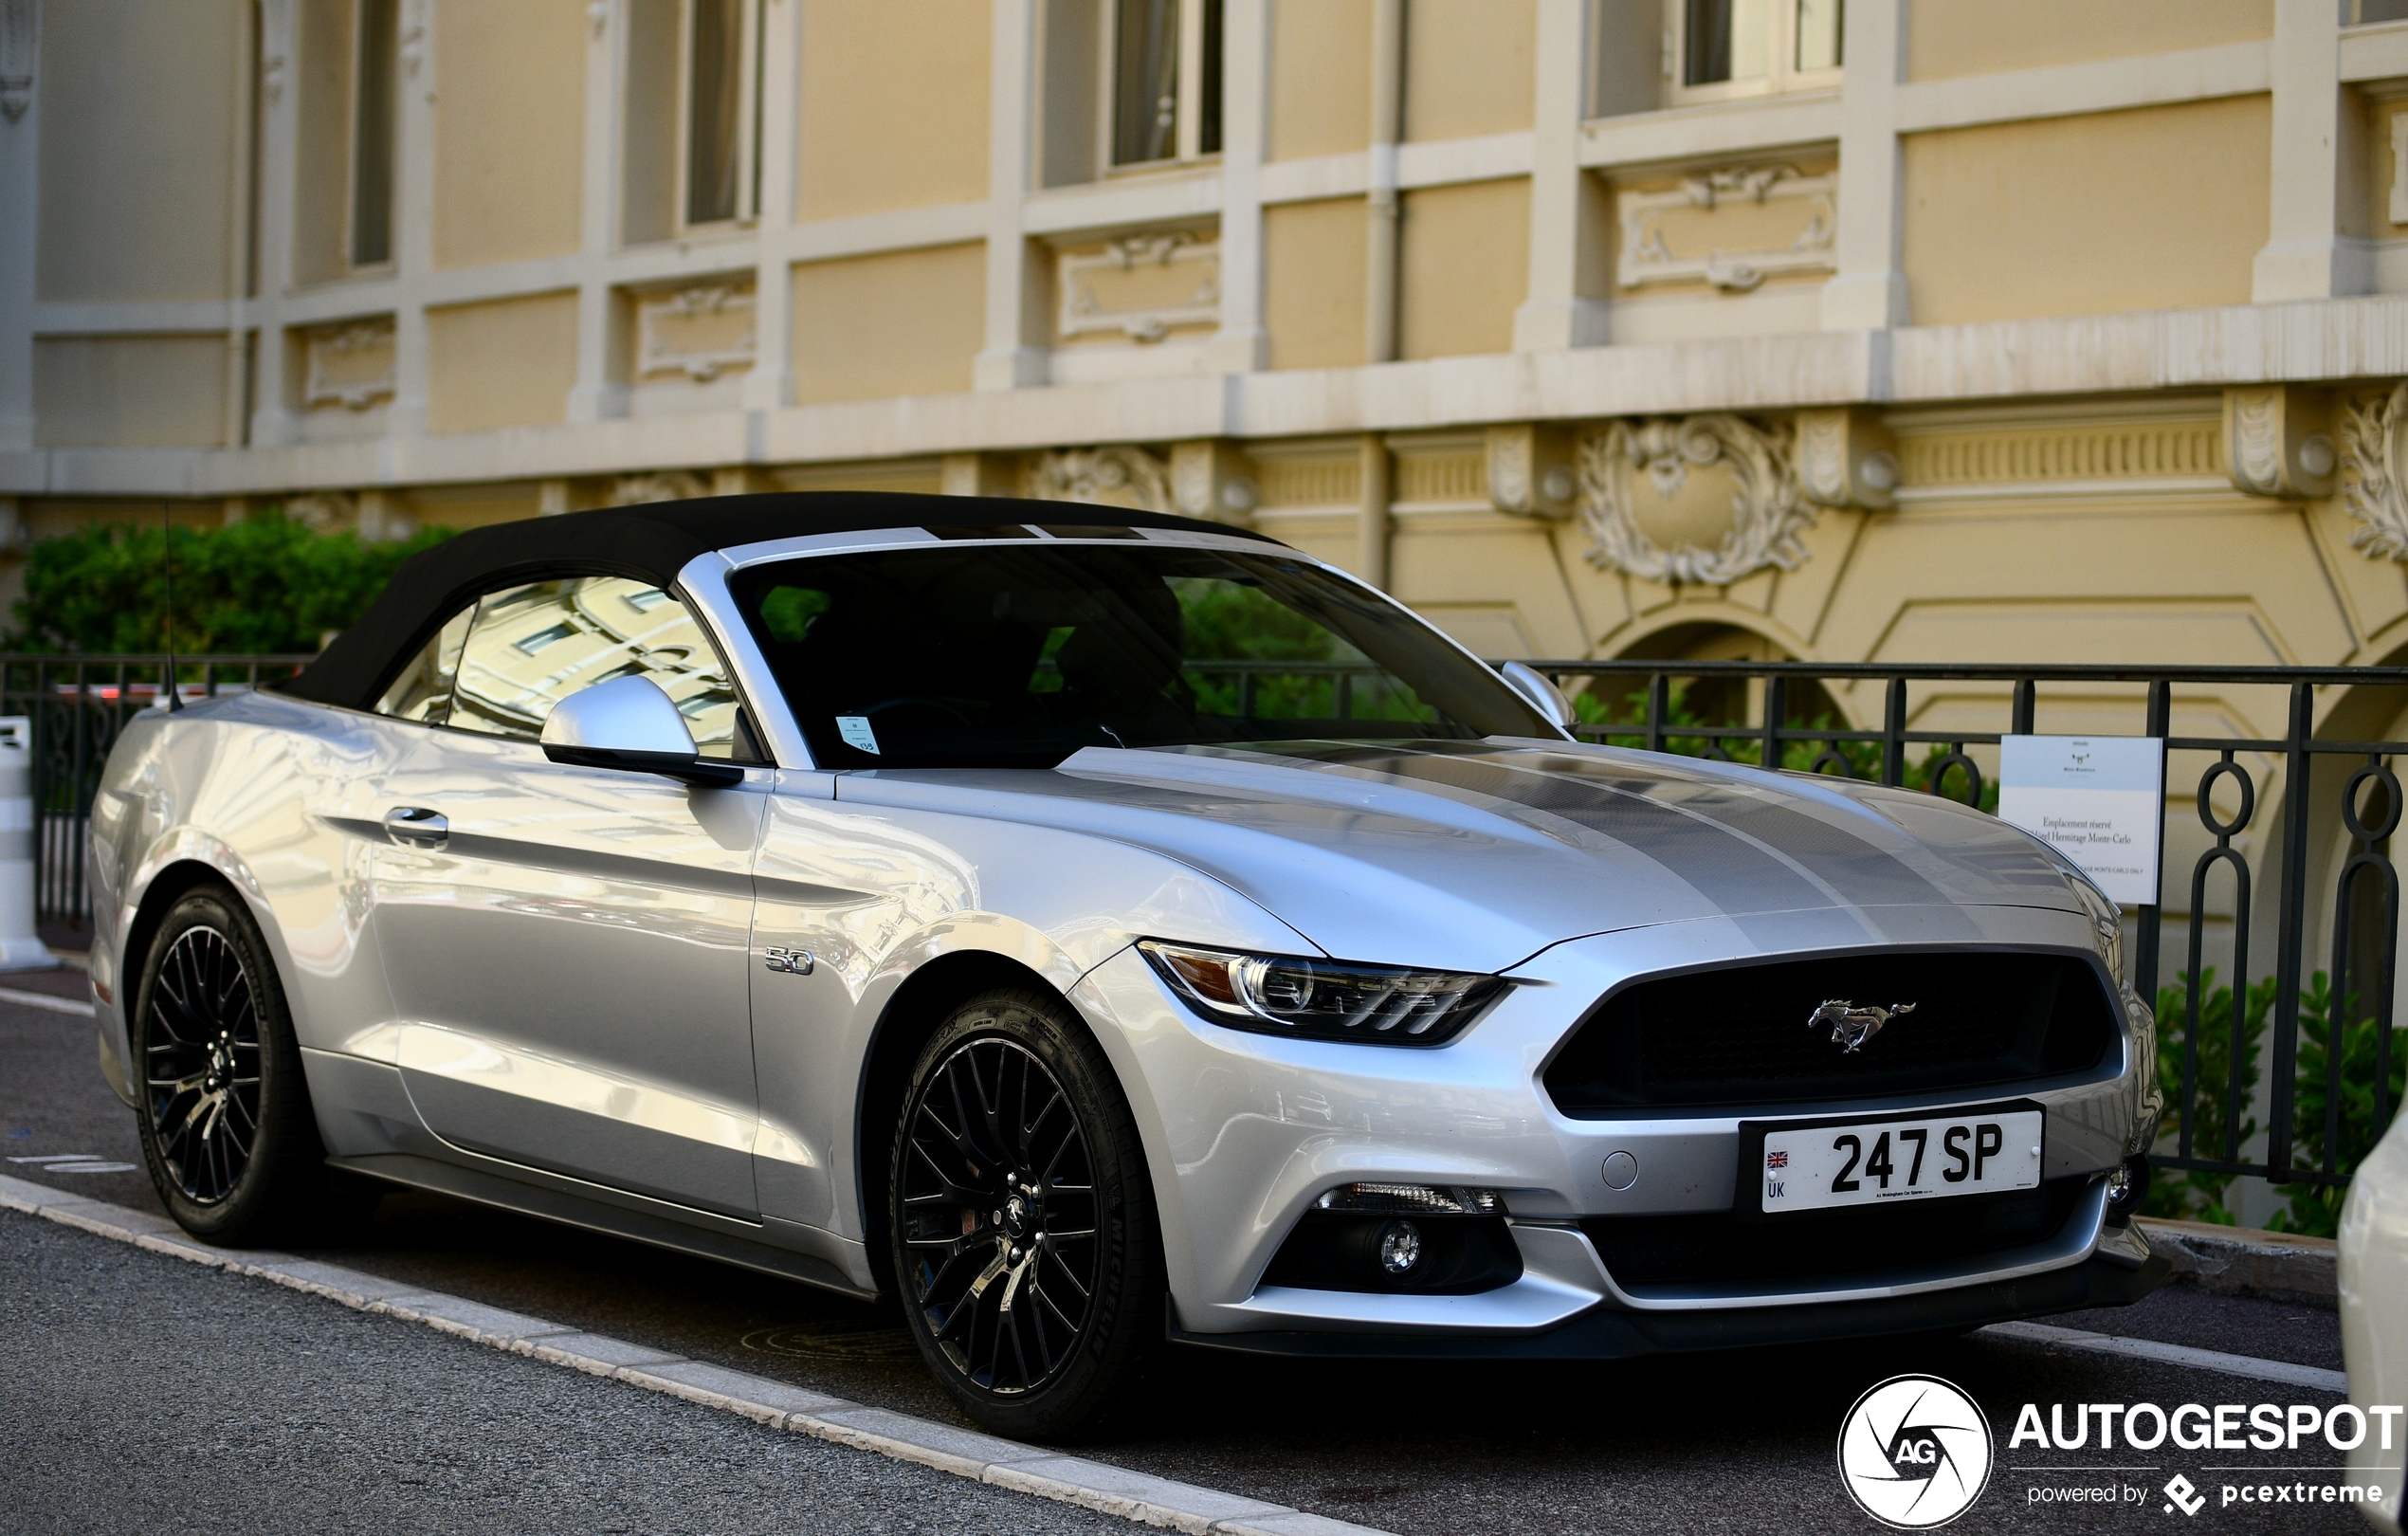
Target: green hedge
(265, 585)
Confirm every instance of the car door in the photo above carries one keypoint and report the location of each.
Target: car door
(567, 945)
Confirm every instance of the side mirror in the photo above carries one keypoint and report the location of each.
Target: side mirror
(629, 722)
(1543, 696)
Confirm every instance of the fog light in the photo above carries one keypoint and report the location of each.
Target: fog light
(2127, 1186)
(1399, 1247)
(1414, 1200)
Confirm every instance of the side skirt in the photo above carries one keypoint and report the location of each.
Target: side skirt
(613, 1212)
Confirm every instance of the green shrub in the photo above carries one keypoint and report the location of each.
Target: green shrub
(265, 585)
(2193, 1194)
(2197, 1196)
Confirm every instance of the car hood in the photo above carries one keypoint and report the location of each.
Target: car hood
(1474, 856)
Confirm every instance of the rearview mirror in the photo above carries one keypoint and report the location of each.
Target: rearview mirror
(629, 722)
(1543, 694)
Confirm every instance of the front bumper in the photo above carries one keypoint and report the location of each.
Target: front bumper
(1243, 1131)
(1603, 1333)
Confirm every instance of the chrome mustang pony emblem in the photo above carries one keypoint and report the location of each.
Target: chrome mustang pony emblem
(1851, 1026)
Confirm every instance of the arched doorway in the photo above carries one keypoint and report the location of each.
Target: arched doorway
(1709, 703)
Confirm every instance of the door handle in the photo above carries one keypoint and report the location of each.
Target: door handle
(413, 826)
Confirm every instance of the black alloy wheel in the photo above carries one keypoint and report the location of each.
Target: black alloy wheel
(1024, 1234)
(200, 1064)
(225, 1121)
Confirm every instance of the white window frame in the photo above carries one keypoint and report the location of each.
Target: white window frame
(1188, 128)
(748, 123)
(1783, 78)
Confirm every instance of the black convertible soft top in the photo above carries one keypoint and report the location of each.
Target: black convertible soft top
(651, 544)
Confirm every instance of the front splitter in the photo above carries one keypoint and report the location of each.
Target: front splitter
(1609, 1333)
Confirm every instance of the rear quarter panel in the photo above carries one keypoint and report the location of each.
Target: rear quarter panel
(271, 796)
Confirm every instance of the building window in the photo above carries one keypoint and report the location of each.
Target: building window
(1165, 79)
(1747, 47)
(375, 98)
(722, 111)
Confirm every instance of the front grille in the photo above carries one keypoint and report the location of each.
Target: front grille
(1738, 1035)
(1829, 1249)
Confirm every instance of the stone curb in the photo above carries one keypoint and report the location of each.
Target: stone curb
(2243, 1261)
(1005, 1464)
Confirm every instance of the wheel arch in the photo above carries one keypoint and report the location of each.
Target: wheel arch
(170, 883)
(914, 1013)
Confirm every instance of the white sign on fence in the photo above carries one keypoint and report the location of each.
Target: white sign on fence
(2097, 798)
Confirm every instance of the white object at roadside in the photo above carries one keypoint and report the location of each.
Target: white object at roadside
(2096, 799)
(2374, 1333)
(21, 948)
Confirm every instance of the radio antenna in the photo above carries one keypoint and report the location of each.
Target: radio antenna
(167, 619)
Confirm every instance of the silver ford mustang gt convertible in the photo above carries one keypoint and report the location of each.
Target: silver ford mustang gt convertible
(1095, 929)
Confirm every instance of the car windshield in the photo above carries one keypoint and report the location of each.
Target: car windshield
(1020, 655)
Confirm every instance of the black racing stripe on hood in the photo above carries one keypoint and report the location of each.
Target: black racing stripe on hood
(1657, 815)
(1732, 873)
(1861, 870)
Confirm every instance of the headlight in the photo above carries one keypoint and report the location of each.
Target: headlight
(1321, 999)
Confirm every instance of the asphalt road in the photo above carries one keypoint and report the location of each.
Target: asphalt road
(1741, 1442)
(144, 1393)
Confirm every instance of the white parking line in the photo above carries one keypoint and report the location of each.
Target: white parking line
(2169, 1354)
(43, 1000)
(77, 1162)
(1029, 1468)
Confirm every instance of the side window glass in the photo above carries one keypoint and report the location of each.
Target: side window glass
(423, 691)
(533, 646)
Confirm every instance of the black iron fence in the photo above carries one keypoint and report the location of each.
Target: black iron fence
(77, 705)
(2335, 1074)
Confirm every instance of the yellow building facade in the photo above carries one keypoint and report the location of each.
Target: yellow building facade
(1906, 330)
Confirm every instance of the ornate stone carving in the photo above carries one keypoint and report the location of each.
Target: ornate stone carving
(2275, 443)
(1211, 479)
(1625, 465)
(323, 511)
(350, 365)
(2375, 462)
(661, 485)
(16, 58)
(1648, 256)
(1530, 471)
(1845, 458)
(1117, 476)
(1141, 287)
(700, 331)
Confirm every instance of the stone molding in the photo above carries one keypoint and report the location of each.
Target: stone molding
(659, 318)
(661, 485)
(1114, 476)
(323, 511)
(1769, 515)
(2374, 463)
(1846, 458)
(2277, 442)
(1532, 470)
(1646, 258)
(341, 363)
(1085, 312)
(1215, 479)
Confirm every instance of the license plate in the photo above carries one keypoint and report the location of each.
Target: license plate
(1816, 1167)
